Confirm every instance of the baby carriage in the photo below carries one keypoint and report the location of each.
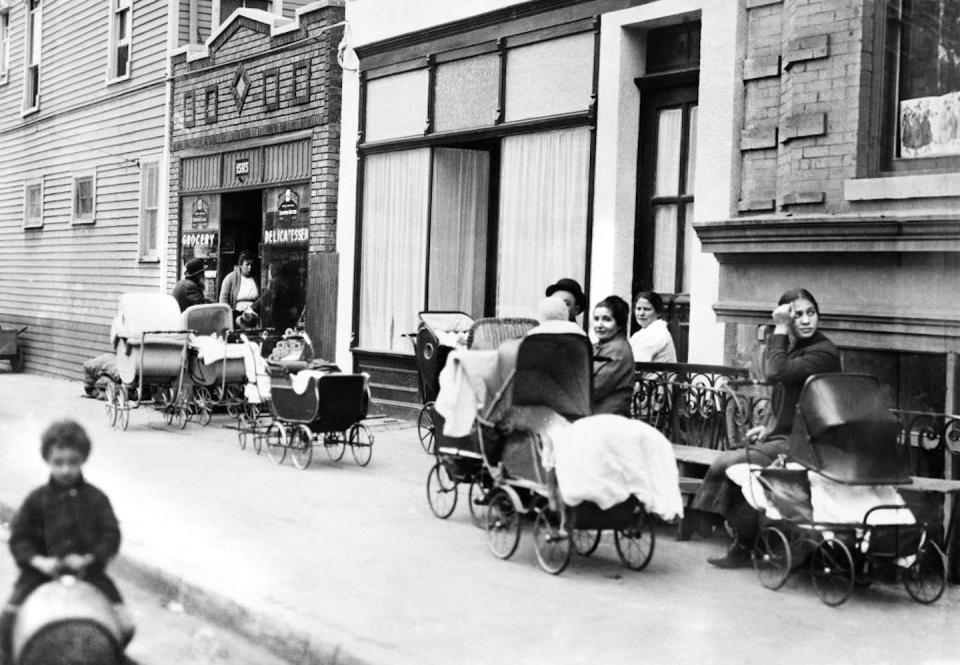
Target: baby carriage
(835, 503)
(437, 335)
(151, 349)
(316, 403)
(216, 362)
(553, 371)
(267, 347)
(457, 458)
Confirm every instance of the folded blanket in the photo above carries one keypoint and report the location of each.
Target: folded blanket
(211, 348)
(829, 501)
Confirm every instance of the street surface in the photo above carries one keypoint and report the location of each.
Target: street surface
(342, 564)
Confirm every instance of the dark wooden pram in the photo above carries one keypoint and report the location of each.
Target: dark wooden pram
(328, 410)
(554, 371)
(843, 436)
(457, 459)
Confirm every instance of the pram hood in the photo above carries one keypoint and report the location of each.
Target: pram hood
(843, 431)
(139, 312)
(443, 321)
(208, 319)
(554, 370)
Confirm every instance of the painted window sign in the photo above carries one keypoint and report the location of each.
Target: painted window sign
(296, 235)
(201, 214)
(200, 244)
(289, 204)
(287, 226)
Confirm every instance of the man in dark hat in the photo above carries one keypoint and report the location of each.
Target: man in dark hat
(189, 290)
(570, 292)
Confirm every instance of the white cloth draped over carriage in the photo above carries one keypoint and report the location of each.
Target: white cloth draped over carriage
(603, 459)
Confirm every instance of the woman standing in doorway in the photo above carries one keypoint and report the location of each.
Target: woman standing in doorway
(239, 288)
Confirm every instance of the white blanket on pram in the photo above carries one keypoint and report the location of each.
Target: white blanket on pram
(830, 501)
(467, 384)
(606, 458)
(211, 348)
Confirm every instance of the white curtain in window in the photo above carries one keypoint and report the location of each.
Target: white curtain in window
(393, 258)
(458, 230)
(667, 180)
(543, 215)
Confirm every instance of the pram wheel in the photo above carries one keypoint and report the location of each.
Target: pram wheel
(425, 428)
(586, 541)
(182, 416)
(551, 544)
(335, 443)
(926, 579)
(772, 558)
(301, 446)
(831, 567)
(635, 545)
(361, 444)
(276, 442)
(441, 491)
(503, 524)
(477, 499)
(110, 395)
(123, 408)
(203, 405)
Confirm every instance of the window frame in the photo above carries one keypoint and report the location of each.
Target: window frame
(33, 45)
(886, 81)
(4, 44)
(146, 254)
(77, 217)
(116, 14)
(38, 220)
(276, 7)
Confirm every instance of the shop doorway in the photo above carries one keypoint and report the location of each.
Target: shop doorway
(241, 230)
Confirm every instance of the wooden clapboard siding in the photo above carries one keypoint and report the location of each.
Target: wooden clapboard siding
(63, 280)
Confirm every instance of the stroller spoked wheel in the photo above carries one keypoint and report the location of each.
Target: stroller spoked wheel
(335, 443)
(182, 416)
(926, 579)
(477, 500)
(301, 446)
(361, 444)
(258, 436)
(110, 395)
(552, 545)
(123, 408)
(425, 428)
(441, 491)
(203, 404)
(276, 442)
(831, 568)
(772, 558)
(586, 541)
(635, 545)
(503, 524)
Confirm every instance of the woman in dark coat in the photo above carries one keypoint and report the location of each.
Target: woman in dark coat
(796, 351)
(612, 358)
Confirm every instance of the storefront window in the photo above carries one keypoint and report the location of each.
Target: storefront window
(466, 93)
(543, 215)
(923, 50)
(394, 247)
(396, 106)
(550, 77)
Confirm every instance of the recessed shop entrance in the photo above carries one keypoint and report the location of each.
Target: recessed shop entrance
(241, 230)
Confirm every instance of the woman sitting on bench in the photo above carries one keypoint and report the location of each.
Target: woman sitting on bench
(796, 350)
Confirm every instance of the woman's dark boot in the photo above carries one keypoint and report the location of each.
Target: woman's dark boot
(738, 556)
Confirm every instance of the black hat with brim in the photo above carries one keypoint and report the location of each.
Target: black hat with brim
(194, 267)
(572, 287)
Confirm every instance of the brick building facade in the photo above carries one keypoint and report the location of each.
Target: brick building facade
(255, 153)
(833, 197)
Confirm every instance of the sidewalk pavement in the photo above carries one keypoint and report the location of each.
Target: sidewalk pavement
(346, 565)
